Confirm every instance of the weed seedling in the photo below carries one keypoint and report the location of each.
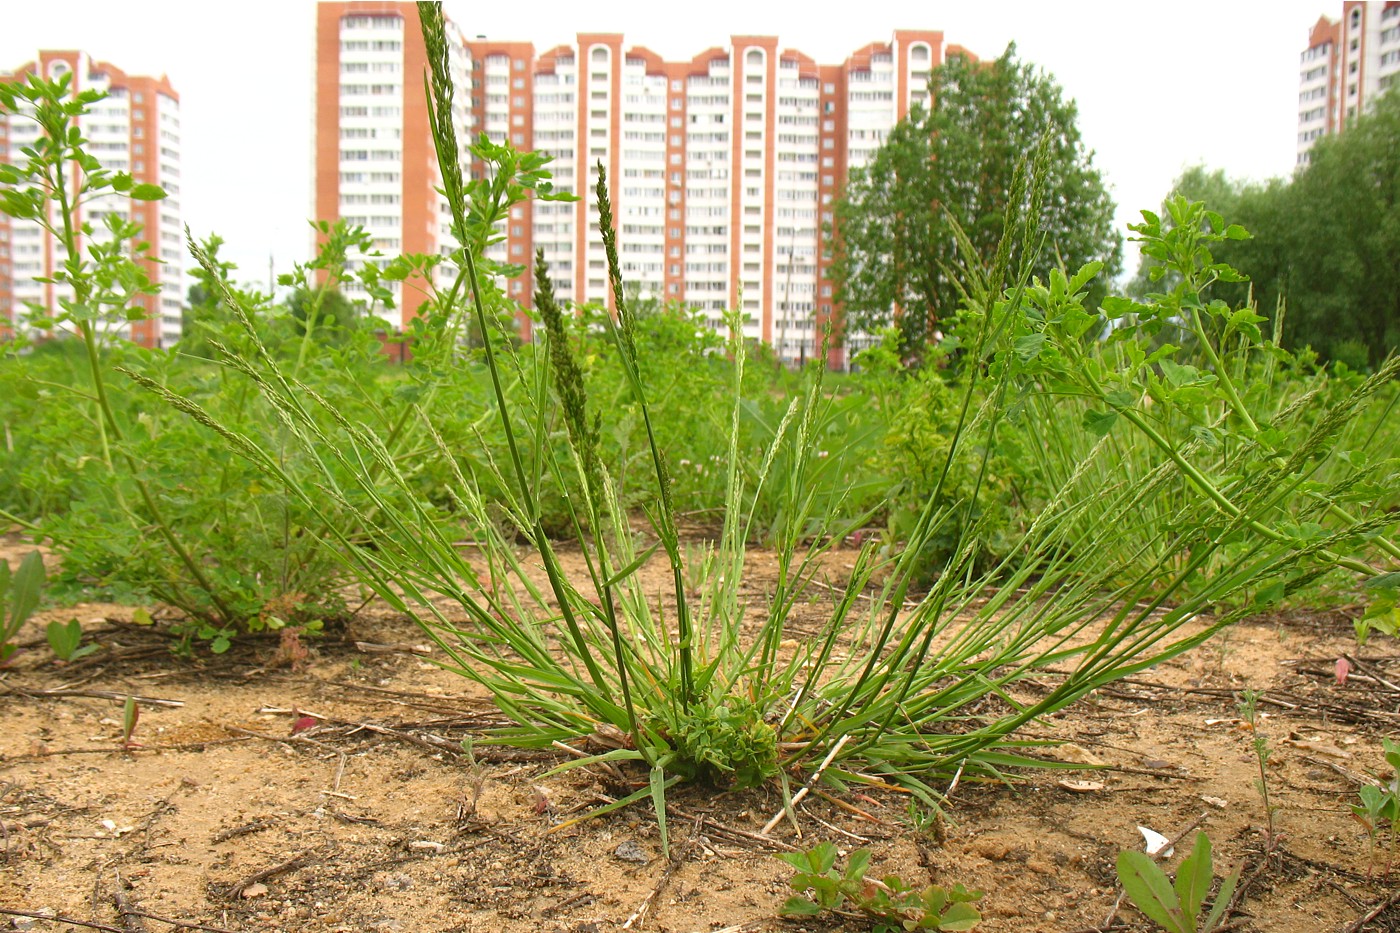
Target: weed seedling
(19, 597)
(130, 714)
(891, 903)
(1176, 907)
(66, 640)
(1375, 805)
(1381, 804)
(1249, 712)
(927, 822)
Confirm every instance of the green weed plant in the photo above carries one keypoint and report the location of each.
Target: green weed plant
(1090, 501)
(20, 593)
(1176, 906)
(1259, 745)
(890, 904)
(1379, 808)
(66, 640)
(899, 687)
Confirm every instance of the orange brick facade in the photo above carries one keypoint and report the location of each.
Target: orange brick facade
(136, 131)
(1346, 65)
(723, 170)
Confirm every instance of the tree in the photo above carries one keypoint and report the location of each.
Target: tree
(1324, 243)
(893, 234)
(1343, 277)
(1261, 208)
(336, 315)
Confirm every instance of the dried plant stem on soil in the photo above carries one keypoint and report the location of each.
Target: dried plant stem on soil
(638, 916)
(302, 860)
(58, 918)
(1373, 913)
(791, 809)
(92, 694)
(132, 918)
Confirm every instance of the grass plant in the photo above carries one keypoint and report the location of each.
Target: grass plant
(899, 690)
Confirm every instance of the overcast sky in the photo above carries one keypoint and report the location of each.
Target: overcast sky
(1159, 87)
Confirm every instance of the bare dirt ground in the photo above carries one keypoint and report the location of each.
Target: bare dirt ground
(374, 819)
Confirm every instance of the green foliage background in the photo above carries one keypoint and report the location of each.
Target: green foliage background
(954, 166)
(1325, 242)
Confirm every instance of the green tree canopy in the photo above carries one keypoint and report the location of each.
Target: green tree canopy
(1259, 208)
(894, 239)
(1326, 243)
(336, 315)
(1342, 281)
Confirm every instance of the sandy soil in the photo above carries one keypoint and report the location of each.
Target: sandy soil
(374, 820)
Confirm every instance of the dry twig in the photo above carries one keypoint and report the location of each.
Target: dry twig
(126, 909)
(1373, 913)
(309, 857)
(59, 918)
(791, 809)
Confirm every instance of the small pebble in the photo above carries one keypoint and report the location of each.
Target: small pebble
(628, 851)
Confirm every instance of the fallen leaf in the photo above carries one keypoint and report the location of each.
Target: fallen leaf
(1218, 802)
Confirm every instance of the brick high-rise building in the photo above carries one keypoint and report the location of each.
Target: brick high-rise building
(1346, 64)
(374, 160)
(135, 129)
(722, 169)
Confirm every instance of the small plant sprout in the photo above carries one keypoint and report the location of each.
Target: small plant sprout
(1176, 907)
(66, 640)
(1249, 713)
(892, 904)
(20, 592)
(130, 714)
(1380, 804)
(926, 821)
(1376, 804)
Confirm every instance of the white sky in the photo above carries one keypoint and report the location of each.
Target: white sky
(1159, 87)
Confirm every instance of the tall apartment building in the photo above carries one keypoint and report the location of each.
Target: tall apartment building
(135, 129)
(722, 169)
(374, 160)
(1346, 64)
